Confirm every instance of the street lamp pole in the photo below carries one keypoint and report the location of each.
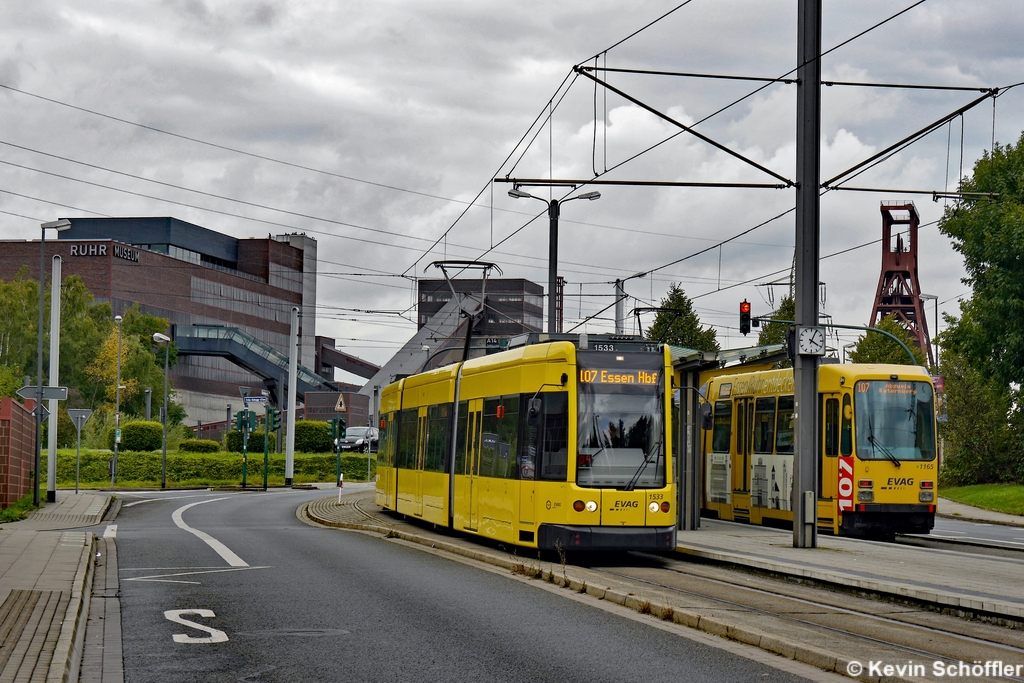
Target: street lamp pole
(166, 341)
(117, 405)
(935, 332)
(554, 209)
(60, 226)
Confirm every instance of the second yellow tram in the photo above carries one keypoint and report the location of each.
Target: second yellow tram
(877, 468)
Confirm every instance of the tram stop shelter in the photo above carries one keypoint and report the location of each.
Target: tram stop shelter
(688, 364)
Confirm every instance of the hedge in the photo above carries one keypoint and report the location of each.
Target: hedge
(199, 446)
(139, 435)
(233, 442)
(136, 467)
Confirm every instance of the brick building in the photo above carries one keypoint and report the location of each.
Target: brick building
(17, 450)
(190, 275)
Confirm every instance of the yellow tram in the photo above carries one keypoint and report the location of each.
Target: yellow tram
(878, 465)
(545, 445)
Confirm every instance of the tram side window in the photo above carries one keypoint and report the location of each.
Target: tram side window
(846, 434)
(722, 435)
(501, 426)
(784, 426)
(460, 437)
(438, 436)
(764, 424)
(407, 434)
(831, 427)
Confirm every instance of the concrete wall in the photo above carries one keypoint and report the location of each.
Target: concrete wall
(17, 450)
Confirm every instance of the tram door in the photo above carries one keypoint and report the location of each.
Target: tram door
(828, 478)
(421, 458)
(744, 410)
(473, 461)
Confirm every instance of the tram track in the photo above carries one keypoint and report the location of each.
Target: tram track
(848, 623)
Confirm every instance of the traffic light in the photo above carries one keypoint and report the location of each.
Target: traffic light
(273, 419)
(253, 420)
(240, 421)
(744, 317)
(341, 427)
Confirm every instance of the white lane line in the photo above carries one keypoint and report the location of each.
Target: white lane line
(164, 578)
(218, 547)
(153, 500)
(110, 531)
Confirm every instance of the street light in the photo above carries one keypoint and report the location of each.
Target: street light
(935, 333)
(553, 211)
(166, 341)
(117, 405)
(60, 226)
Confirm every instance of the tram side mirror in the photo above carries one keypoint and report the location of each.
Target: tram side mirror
(706, 416)
(533, 412)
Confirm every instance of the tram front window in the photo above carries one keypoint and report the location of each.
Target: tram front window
(895, 420)
(620, 422)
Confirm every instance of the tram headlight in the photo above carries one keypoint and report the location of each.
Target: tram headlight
(578, 506)
(591, 506)
(926, 496)
(653, 507)
(865, 496)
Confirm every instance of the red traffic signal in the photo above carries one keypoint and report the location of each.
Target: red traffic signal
(744, 317)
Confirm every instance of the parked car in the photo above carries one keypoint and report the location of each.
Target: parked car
(360, 439)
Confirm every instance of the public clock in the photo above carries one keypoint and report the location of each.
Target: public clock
(811, 341)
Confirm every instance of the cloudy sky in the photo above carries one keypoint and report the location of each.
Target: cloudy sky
(376, 127)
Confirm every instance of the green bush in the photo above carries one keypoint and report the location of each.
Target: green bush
(313, 436)
(139, 435)
(199, 446)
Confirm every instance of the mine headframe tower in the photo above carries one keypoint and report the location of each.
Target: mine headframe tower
(899, 289)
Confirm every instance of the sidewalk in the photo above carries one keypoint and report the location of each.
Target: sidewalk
(968, 513)
(45, 586)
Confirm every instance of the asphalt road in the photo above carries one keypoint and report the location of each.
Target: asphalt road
(319, 604)
(956, 530)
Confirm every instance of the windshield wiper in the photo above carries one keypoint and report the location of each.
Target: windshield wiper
(874, 443)
(648, 459)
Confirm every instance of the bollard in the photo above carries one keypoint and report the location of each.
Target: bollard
(341, 483)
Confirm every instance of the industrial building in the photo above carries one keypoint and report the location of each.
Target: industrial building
(191, 275)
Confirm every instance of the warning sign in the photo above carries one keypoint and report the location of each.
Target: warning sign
(340, 406)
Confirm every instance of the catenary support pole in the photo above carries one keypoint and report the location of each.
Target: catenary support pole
(553, 211)
(293, 378)
(808, 172)
(51, 430)
(620, 308)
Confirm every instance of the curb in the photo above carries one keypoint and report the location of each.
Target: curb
(67, 654)
(715, 626)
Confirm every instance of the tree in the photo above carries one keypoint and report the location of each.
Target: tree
(981, 444)
(989, 233)
(775, 333)
(140, 366)
(877, 348)
(678, 324)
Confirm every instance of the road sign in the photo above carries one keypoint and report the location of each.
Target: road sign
(255, 399)
(49, 393)
(340, 406)
(79, 416)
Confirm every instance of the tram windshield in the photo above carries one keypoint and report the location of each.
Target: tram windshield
(620, 421)
(895, 420)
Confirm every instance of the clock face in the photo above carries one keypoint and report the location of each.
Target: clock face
(812, 341)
